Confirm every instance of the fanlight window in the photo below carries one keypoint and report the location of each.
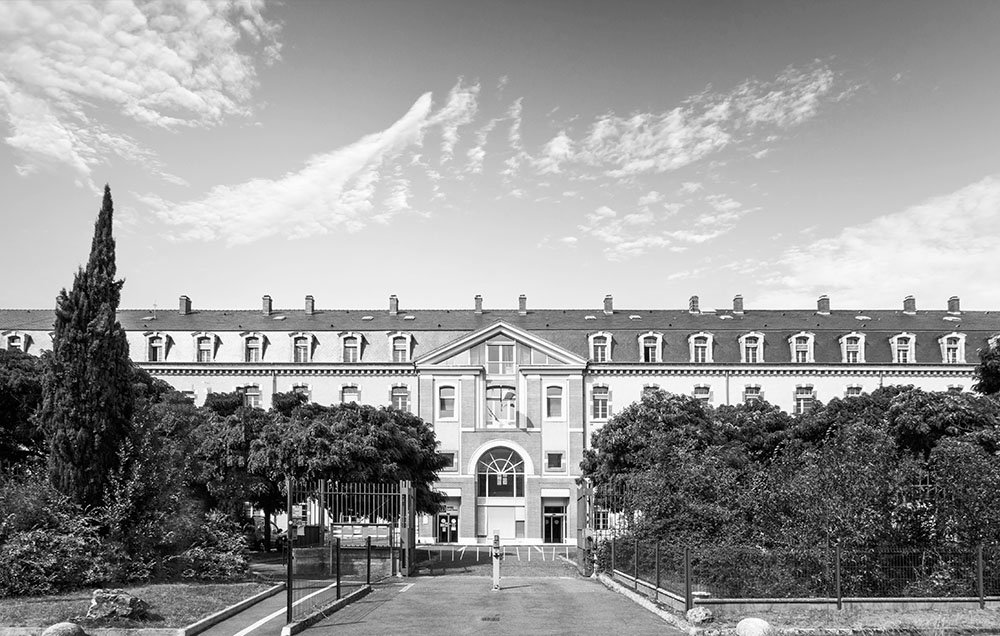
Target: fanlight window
(500, 473)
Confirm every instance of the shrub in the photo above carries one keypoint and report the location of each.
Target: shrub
(219, 552)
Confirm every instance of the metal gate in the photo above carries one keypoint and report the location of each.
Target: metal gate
(340, 534)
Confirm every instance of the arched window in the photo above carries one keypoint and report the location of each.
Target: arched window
(852, 348)
(301, 348)
(650, 347)
(801, 346)
(600, 347)
(752, 348)
(952, 348)
(500, 473)
(204, 347)
(352, 348)
(700, 345)
(903, 347)
(253, 347)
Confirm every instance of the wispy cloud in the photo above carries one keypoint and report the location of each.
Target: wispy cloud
(931, 248)
(460, 110)
(160, 64)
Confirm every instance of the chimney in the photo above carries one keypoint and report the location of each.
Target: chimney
(393, 305)
(737, 304)
(910, 305)
(479, 304)
(823, 305)
(953, 306)
(609, 305)
(310, 305)
(693, 305)
(265, 307)
(522, 305)
(185, 306)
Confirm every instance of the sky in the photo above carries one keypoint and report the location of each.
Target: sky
(564, 150)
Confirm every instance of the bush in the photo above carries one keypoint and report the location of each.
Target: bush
(218, 553)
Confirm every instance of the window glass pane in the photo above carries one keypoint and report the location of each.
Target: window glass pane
(553, 401)
(446, 401)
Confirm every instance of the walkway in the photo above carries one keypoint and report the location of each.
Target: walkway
(540, 597)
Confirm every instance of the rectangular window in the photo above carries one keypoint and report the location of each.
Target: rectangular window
(204, 349)
(601, 398)
(450, 462)
(14, 344)
(802, 349)
(500, 359)
(400, 398)
(951, 351)
(350, 395)
(251, 397)
(301, 349)
(155, 353)
(189, 395)
(400, 349)
(501, 406)
(303, 390)
(703, 392)
(252, 349)
(554, 461)
(352, 349)
(601, 519)
(750, 346)
(853, 350)
(853, 391)
(649, 349)
(751, 393)
(600, 349)
(446, 402)
(554, 402)
(804, 397)
(701, 349)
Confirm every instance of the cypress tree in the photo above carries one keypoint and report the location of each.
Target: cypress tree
(88, 398)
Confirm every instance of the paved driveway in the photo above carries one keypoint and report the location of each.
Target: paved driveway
(548, 598)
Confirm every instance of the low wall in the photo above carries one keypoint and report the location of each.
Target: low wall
(317, 562)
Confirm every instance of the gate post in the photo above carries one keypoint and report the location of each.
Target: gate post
(688, 596)
(289, 534)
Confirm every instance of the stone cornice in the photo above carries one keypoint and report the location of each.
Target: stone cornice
(289, 369)
(708, 370)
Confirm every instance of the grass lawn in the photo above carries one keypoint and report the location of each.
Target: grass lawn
(170, 605)
(926, 621)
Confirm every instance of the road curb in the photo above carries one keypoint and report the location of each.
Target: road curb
(210, 621)
(644, 602)
(298, 626)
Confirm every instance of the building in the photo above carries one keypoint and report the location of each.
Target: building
(514, 395)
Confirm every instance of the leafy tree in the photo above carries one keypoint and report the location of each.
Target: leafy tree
(988, 369)
(285, 403)
(351, 442)
(20, 396)
(918, 419)
(88, 392)
(756, 429)
(224, 404)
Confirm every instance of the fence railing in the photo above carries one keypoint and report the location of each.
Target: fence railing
(834, 575)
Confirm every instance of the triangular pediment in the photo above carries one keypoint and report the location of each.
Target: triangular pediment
(457, 351)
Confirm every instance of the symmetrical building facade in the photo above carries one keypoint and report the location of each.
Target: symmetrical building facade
(514, 395)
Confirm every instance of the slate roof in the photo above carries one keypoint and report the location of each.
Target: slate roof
(569, 328)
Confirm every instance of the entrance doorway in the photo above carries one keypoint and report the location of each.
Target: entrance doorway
(554, 524)
(447, 527)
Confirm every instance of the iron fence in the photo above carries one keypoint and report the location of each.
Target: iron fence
(834, 574)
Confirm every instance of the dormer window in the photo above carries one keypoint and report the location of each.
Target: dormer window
(204, 347)
(801, 345)
(301, 348)
(752, 348)
(401, 345)
(852, 348)
(15, 343)
(650, 347)
(600, 347)
(156, 348)
(253, 348)
(352, 347)
(700, 346)
(500, 358)
(952, 348)
(903, 348)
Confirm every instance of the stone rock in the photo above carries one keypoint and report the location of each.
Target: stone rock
(64, 629)
(753, 627)
(116, 604)
(699, 615)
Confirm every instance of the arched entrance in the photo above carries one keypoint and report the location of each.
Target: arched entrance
(500, 507)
